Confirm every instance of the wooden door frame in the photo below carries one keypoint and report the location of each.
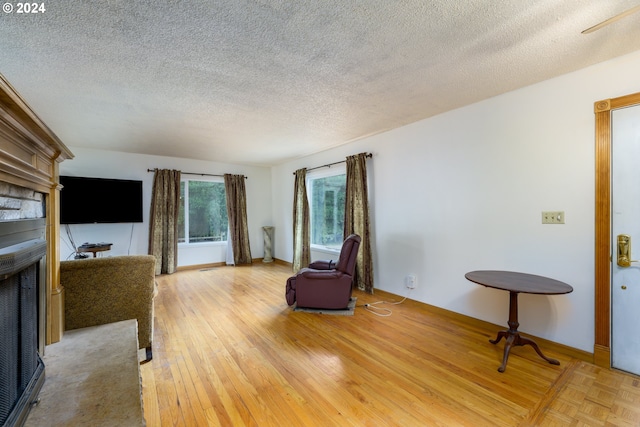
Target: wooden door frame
(603, 254)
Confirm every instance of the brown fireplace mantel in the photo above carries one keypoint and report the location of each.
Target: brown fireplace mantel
(29, 157)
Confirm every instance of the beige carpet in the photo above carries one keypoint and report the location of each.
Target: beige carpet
(92, 378)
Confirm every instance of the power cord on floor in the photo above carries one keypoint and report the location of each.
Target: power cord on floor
(382, 311)
(130, 239)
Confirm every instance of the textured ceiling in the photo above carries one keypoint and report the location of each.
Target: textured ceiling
(264, 81)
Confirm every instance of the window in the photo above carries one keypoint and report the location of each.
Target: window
(206, 204)
(327, 202)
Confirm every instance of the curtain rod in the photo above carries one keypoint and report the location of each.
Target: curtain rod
(193, 173)
(368, 156)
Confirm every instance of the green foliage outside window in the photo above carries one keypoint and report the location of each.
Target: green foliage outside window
(207, 220)
(327, 210)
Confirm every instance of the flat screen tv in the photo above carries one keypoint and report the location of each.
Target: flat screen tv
(99, 200)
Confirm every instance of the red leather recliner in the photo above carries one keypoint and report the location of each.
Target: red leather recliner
(326, 284)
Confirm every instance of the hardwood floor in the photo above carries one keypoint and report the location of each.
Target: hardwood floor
(228, 351)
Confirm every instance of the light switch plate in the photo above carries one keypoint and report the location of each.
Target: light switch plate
(553, 217)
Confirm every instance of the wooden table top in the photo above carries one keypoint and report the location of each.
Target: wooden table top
(518, 282)
(96, 247)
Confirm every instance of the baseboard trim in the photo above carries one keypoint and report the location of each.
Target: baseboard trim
(602, 356)
(218, 264)
(200, 266)
(283, 262)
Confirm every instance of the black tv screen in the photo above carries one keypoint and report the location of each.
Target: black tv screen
(99, 200)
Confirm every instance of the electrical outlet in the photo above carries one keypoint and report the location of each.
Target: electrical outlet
(553, 217)
(410, 281)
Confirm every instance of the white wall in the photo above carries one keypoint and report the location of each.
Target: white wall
(134, 238)
(465, 190)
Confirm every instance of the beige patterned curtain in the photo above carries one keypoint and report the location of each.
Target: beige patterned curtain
(237, 214)
(356, 218)
(163, 224)
(301, 239)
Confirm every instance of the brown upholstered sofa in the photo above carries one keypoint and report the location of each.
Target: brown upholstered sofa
(110, 289)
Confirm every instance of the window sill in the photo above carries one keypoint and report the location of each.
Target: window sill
(325, 250)
(200, 244)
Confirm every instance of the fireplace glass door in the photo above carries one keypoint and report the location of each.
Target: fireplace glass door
(21, 367)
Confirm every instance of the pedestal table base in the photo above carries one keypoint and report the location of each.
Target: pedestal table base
(513, 337)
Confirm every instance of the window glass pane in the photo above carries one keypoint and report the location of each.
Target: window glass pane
(207, 212)
(181, 224)
(206, 204)
(327, 210)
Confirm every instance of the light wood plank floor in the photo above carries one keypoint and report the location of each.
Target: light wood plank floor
(228, 351)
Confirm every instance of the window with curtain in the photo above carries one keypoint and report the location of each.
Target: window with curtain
(203, 212)
(326, 193)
